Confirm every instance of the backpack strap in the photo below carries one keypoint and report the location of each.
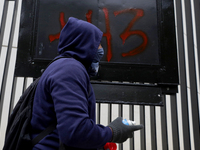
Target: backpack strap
(44, 133)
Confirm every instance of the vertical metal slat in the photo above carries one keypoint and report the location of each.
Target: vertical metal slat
(109, 113)
(142, 121)
(192, 72)
(3, 23)
(24, 84)
(98, 113)
(174, 117)
(197, 23)
(8, 56)
(12, 95)
(182, 75)
(131, 114)
(153, 128)
(120, 115)
(164, 125)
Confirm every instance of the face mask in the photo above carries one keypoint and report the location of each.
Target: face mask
(100, 53)
(93, 69)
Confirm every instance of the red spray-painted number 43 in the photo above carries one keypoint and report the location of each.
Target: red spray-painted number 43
(124, 35)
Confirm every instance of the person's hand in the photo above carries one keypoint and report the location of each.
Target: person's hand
(122, 132)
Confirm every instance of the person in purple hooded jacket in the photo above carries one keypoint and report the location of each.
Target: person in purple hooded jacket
(64, 94)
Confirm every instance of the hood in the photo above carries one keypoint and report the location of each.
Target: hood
(79, 39)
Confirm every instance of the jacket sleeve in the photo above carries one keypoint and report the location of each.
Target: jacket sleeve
(69, 91)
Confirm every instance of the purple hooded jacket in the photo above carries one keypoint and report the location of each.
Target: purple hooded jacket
(65, 95)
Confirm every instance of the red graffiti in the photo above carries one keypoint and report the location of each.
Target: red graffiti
(89, 16)
(128, 32)
(62, 24)
(108, 35)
